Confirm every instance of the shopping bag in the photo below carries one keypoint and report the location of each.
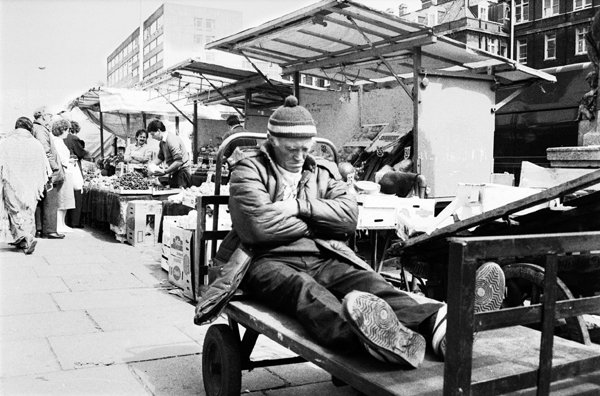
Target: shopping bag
(77, 176)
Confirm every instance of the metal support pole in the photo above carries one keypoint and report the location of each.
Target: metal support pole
(195, 133)
(511, 35)
(101, 136)
(416, 97)
(247, 100)
(297, 85)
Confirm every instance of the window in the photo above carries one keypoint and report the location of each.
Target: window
(492, 45)
(503, 49)
(580, 47)
(550, 8)
(521, 11)
(209, 39)
(581, 4)
(198, 39)
(198, 23)
(422, 20)
(431, 20)
(522, 51)
(550, 46)
(210, 24)
(483, 11)
(440, 15)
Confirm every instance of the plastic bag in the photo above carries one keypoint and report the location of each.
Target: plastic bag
(77, 176)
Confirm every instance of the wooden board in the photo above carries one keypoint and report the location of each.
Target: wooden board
(496, 354)
(508, 209)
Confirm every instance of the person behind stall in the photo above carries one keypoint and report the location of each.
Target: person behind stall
(235, 126)
(173, 153)
(139, 152)
(47, 209)
(293, 213)
(66, 193)
(78, 152)
(24, 173)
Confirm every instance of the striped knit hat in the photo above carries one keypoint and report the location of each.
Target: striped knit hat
(291, 121)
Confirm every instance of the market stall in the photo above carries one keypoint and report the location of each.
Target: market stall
(451, 86)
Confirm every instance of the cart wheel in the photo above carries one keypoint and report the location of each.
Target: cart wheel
(525, 283)
(221, 367)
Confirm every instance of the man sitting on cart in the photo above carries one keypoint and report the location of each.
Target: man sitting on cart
(294, 214)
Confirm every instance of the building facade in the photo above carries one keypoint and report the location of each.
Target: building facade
(173, 33)
(550, 33)
(479, 24)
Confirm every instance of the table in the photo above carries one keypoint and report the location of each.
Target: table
(105, 206)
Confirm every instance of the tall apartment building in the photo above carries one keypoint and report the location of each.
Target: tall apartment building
(478, 23)
(173, 33)
(549, 33)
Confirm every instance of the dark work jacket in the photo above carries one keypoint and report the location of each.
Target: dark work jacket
(328, 216)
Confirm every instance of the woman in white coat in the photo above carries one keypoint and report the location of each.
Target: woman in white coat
(66, 195)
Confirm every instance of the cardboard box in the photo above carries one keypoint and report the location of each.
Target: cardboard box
(376, 211)
(168, 223)
(142, 222)
(181, 265)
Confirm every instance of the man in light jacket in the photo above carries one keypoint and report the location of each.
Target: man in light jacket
(46, 212)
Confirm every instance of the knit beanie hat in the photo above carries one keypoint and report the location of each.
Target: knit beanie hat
(291, 121)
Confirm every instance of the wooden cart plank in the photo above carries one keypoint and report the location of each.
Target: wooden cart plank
(513, 207)
(502, 353)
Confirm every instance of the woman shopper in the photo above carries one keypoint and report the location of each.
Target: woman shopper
(77, 150)
(66, 195)
(24, 172)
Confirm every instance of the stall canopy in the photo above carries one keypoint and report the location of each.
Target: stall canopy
(121, 112)
(349, 43)
(254, 92)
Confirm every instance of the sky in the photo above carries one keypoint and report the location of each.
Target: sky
(52, 51)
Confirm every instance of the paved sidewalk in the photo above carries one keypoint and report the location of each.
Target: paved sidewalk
(88, 315)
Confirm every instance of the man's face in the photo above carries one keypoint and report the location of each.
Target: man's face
(156, 135)
(290, 153)
(47, 117)
(141, 139)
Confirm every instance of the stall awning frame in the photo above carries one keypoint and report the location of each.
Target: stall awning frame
(350, 43)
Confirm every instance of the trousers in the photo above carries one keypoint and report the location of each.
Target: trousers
(310, 288)
(73, 218)
(181, 178)
(46, 212)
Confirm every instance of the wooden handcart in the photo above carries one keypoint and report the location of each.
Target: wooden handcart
(501, 360)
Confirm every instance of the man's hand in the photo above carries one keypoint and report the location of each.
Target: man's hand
(158, 172)
(289, 207)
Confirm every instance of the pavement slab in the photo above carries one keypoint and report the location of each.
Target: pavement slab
(26, 303)
(107, 348)
(117, 380)
(112, 298)
(72, 269)
(40, 325)
(102, 281)
(60, 258)
(29, 282)
(123, 318)
(322, 388)
(26, 357)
